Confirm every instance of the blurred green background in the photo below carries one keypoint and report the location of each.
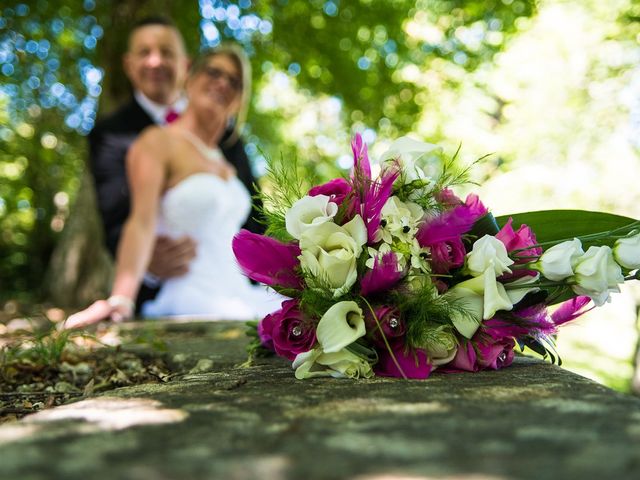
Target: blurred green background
(550, 88)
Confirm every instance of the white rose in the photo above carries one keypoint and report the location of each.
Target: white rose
(309, 212)
(558, 262)
(340, 326)
(342, 364)
(597, 274)
(330, 251)
(488, 252)
(626, 252)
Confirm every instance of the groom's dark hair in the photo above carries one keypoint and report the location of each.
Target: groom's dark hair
(154, 20)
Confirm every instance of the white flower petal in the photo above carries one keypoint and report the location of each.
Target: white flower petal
(340, 326)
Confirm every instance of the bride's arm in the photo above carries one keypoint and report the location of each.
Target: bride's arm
(146, 173)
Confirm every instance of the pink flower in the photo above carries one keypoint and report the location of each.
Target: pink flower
(287, 331)
(517, 240)
(447, 198)
(391, 322)
(443, 234)
(473, 356)
(337, 190)
(265, 259)
(414, 363)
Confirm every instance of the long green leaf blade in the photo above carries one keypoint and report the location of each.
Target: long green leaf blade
(555, 225)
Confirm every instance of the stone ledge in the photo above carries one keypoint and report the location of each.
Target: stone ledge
(529, 421)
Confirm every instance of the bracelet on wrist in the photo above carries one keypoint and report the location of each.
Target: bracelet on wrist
(121, 301)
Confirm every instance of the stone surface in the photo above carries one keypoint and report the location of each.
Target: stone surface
(529, 421)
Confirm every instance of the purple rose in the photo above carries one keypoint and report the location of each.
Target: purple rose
(447, 255)
(287, 331)
(474, 356)
(414, 362)
(391, 322)
(265, 328)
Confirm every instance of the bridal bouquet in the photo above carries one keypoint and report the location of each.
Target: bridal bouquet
(393, 274)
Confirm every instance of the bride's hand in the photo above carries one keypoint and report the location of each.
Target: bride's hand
(115, 308)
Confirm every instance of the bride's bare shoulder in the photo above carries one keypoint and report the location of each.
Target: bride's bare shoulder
(154, 140)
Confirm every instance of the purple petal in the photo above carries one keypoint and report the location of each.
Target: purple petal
(267, 260)
(382, 276)
(374, 199)
(452, 224)
(361, 164)
(570, 310)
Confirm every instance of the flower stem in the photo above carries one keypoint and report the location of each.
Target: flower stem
(384, 337)
(615, 233)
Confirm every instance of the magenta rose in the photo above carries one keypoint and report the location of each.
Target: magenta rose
(447, 255)
(288, 331)
(391, 322)
(265, 327)
(475, 356)
(413, 362)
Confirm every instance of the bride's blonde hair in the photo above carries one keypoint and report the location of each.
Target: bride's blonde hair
(239, 57)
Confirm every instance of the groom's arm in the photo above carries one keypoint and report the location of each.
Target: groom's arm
(237, 156)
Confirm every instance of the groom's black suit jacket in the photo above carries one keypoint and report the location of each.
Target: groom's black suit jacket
(109, 142)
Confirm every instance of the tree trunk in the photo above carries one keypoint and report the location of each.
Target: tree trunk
(80, 269)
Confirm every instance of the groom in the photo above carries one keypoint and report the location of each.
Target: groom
(156, 64)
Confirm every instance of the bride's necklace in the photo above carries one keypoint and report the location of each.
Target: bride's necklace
(213, 154)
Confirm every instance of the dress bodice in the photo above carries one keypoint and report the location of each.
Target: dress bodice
(205, 207)
(210, 210)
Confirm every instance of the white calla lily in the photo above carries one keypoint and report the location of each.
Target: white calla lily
(481, 297)
(408, 150)
(473, 304)
(340, 326)
(342, 364)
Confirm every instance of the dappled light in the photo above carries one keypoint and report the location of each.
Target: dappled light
(112, 413)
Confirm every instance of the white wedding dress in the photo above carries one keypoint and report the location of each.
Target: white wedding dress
(210, 210)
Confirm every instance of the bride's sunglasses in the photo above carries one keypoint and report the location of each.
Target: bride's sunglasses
(215, 73)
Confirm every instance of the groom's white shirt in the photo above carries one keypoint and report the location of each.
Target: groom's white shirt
(156, 111)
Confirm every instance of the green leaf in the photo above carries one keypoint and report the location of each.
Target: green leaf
(485, 225)
(557, 225)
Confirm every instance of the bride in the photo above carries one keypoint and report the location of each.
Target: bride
(181, 184)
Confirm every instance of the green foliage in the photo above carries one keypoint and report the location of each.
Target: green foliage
(41, 350)
(284, 187)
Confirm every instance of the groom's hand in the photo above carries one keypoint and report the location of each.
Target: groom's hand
(171, 256)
